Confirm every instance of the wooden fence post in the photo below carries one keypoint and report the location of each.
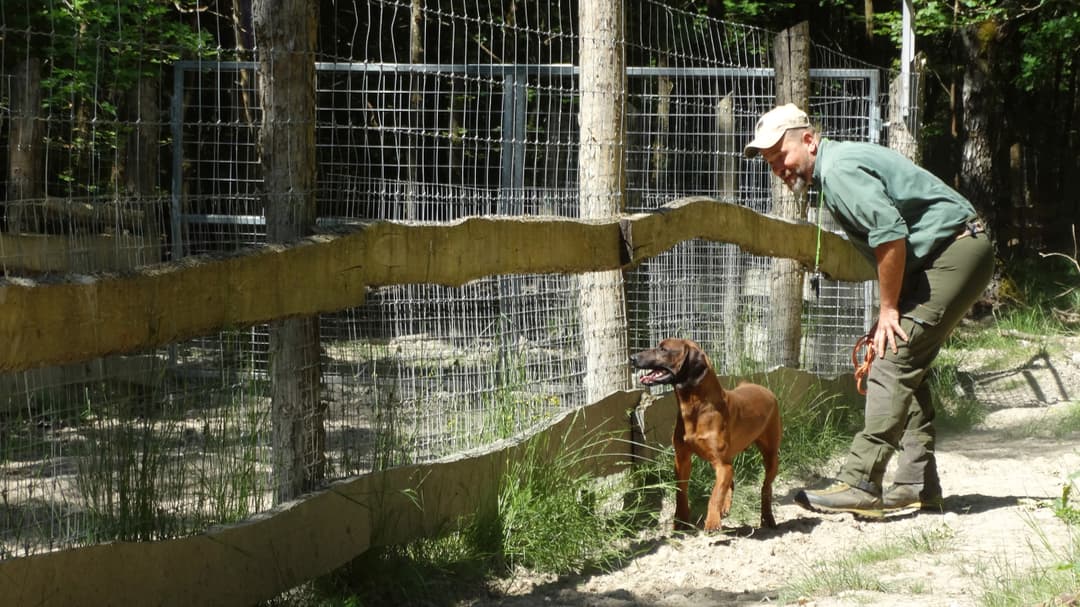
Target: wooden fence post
(286, 31)
(791, 51)
(602, 187)
(729, 148)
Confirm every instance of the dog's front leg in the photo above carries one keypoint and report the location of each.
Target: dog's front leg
(682, 486)
(720, 501)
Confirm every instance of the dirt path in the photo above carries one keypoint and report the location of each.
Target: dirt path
(995, 478)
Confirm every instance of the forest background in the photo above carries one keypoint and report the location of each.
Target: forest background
(1000, 117)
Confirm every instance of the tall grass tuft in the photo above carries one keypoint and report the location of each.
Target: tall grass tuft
(817, 426)
(122, 467)
(232, 483)
(556, 516)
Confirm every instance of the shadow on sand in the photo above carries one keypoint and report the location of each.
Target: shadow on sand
(563, 592)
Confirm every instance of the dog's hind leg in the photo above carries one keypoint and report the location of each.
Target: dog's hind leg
(772, 464)
(769, 445)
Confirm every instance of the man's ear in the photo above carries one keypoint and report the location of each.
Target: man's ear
(810, 140)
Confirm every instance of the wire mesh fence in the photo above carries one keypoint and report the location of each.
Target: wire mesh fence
(482, 121)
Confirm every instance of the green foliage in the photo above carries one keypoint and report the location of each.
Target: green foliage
(95, 53)
(514, 404)
(555, 518)
(120, 479)
(1039, 296)
(817, 426)
(753, 11)
(126, 37)
(235, 488)
(394, 435)
(749, 12)
(1054, 33)
(939, 17)
(1050, 28)
(134, 472)
(1069, 422)
(1064, 506)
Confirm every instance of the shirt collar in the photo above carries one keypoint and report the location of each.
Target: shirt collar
(822, 143)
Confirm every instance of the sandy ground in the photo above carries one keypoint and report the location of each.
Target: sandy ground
(997, 477)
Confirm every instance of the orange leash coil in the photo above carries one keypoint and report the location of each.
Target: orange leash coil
(862, 369)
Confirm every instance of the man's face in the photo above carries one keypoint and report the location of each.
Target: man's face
(792, 161)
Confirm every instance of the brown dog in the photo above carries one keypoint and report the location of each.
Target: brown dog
(715, 424)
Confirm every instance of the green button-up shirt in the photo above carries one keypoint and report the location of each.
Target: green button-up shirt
(877, 195)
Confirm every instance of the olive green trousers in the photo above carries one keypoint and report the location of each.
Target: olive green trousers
(899, 411)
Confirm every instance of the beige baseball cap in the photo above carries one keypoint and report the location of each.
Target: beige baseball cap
(773, 124)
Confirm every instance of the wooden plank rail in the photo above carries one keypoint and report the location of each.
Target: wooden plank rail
(81, 317)
(303, 539)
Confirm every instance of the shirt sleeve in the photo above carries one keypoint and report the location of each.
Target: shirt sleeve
(859, 196)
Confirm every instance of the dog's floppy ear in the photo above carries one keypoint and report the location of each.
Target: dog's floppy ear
(694, 366)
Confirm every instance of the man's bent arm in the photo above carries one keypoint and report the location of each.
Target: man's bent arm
(891, 258)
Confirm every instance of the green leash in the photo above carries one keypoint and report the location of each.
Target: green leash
(815, 280)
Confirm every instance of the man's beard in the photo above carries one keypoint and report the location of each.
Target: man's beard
(799, 186)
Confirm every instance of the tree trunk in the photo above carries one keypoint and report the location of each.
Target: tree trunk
(902, 135)
(26, 147)
(868, 18)
(138, 172)
(286, 35)
(981, 108)
(792, 60)
(140, 168)
(602, 183)
(416, 108)
(1023, 221)
(241, 22)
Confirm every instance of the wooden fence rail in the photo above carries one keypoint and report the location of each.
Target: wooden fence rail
(80, 318)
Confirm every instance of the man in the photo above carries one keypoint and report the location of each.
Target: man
(933, 261)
